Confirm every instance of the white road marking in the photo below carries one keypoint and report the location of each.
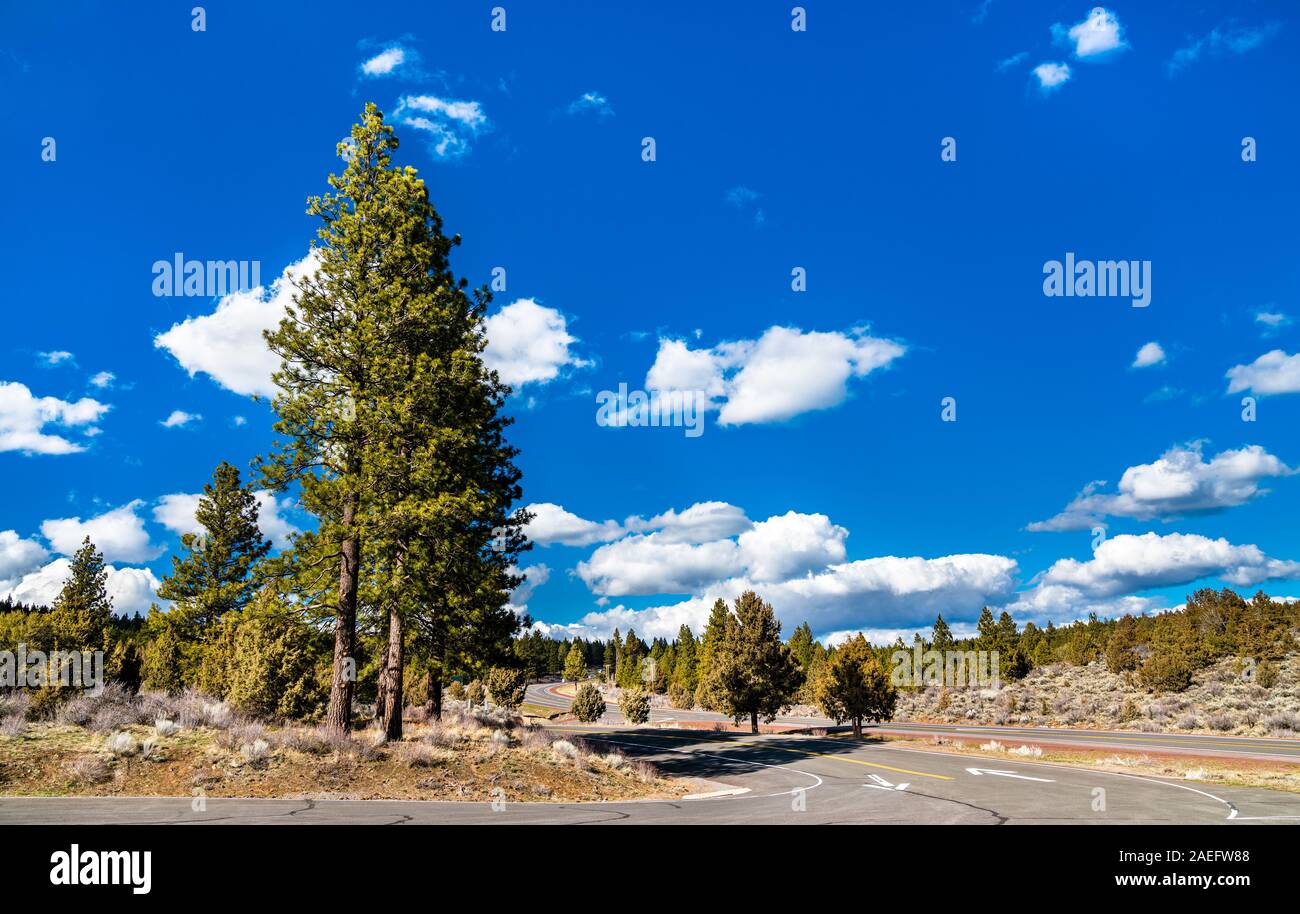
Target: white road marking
(1008, 774)
(712, 794)
(1117, 774)
(882, 784)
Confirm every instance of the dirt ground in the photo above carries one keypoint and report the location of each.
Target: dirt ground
(50, 759)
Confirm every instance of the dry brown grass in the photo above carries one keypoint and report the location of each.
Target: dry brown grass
(60, 759)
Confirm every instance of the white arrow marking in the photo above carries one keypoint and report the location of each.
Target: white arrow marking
(882, 784)
(1008, 774)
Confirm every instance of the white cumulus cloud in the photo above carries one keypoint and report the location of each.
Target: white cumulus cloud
(227, 345)
(179, 418)
(1051, 76)
(1149, 355)
(18, 556)
(529, 343)
(782, 374)
(1128, 563)
(24, 418)
(593, 102)
(119, 534)
(385, 62)
(130, 589)
(1180, 482)
(450, 125)
(552, 524)
(1099, 33)
(1273, 372)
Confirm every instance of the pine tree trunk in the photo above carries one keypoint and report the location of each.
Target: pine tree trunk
(857, 727)
(393, 675)
(394, 659)
(381, 680)
(339, 715)
(753, 721)
(434, 703)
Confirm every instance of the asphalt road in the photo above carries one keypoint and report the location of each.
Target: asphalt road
(766, 779)
(1286, 750)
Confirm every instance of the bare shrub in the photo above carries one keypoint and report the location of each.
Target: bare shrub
(325, 741)
(15, 703)
(418, 755)
(88, 769)
(644, 771)
(121, 744)
(534, 738)
(416, 714)
(1220, 722)
(1027, 751)
(446, 736)
(255, 753)
(13, 724)
(1283, 720)
(241, 735)
(110, 717)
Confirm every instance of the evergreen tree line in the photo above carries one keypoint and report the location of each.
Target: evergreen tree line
(740, 666)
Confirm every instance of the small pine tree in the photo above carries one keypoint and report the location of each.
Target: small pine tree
(275, 665)
(1120, 654)
(634, 705)
(714, 631)
(162, 664)
(507, 686)
(1166, 671)
(1043, 653)
(575, 664)
(1267, 674)
(855, 687)
(588, 704)
(987, 639)
(79, 619)
(941, 636)
(685, 669)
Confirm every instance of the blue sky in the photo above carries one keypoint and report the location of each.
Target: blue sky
(825, 477)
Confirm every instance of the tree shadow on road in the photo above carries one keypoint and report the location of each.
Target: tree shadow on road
(716, 754)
